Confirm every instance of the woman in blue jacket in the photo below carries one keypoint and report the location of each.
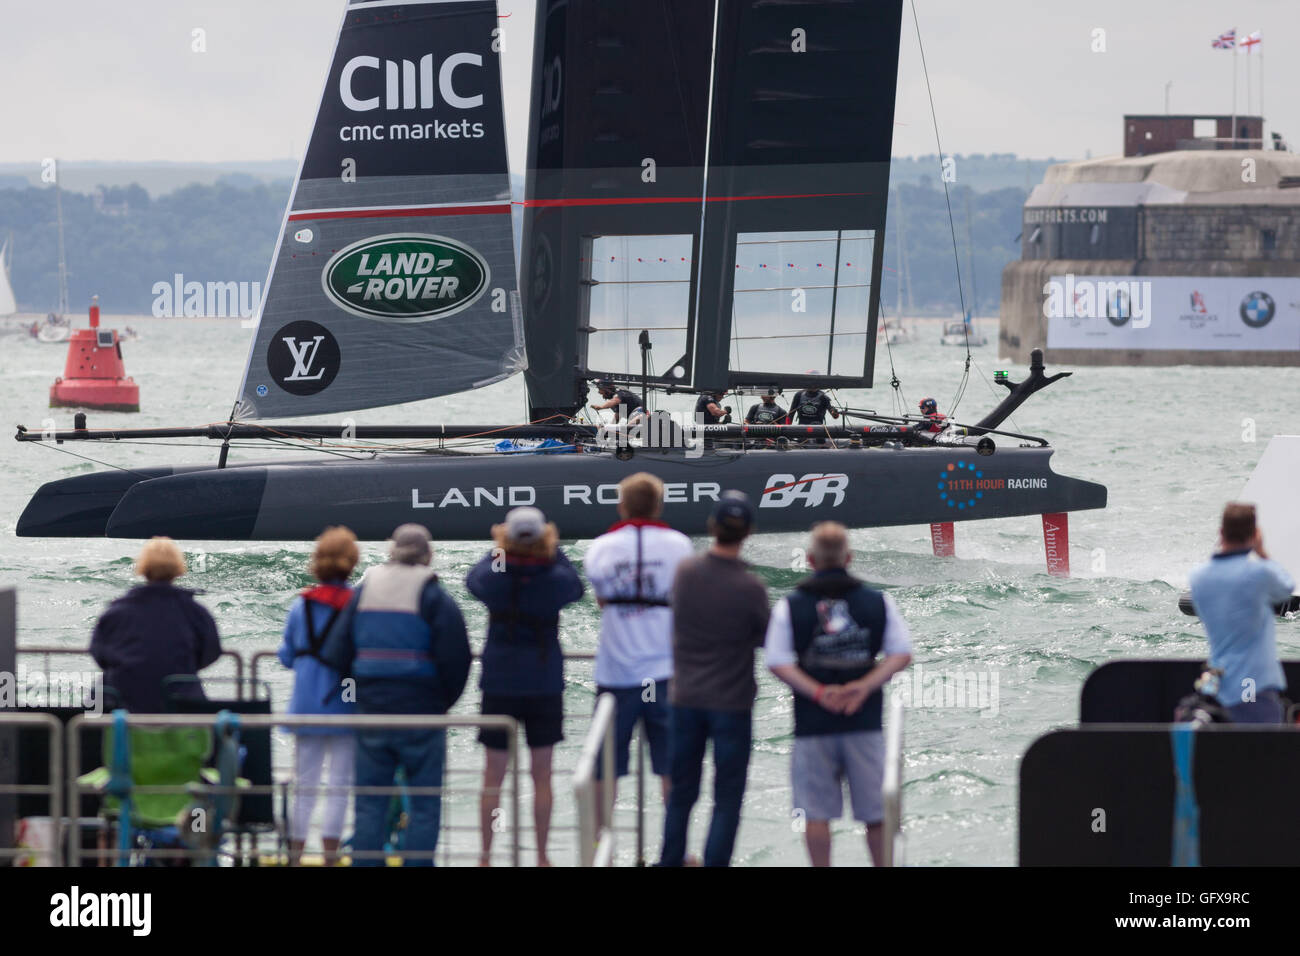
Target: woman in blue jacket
(524, 581)
(316, 690)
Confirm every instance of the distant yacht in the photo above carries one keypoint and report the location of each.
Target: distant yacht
(8, 305)
(963, 333)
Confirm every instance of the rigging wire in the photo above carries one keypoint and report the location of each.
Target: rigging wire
(106, 464)
(952, 227)
(900, 401)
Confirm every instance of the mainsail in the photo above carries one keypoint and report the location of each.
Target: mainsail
(394, 275)
(8, 306)
(715, 174)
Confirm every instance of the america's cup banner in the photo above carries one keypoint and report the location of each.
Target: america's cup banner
(394, 276)
(1252, 313)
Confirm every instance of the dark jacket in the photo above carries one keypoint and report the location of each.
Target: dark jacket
(402, 639)
(153, 631)
(522, 656)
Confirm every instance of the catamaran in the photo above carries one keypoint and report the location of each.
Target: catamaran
(704, 210)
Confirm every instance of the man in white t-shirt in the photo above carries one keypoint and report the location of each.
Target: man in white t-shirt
(836, 642)
(631, 570)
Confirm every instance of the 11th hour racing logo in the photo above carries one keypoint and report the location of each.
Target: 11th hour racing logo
(405, 278)
(368, 83)
(963, 486)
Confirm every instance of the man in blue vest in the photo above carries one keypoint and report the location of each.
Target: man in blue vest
(402, 641)
(836, 642)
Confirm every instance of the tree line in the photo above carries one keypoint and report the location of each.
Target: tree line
(121, 241)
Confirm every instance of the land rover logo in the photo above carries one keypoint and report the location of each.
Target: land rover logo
(303, 358)
(1257, 309)
(405, 278)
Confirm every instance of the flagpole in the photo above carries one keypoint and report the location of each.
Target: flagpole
(1232, 139)
(1261, 95)
(1248, 52)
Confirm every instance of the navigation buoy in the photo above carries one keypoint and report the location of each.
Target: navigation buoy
(94, 375)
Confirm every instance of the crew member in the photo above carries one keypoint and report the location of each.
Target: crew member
(934, 422)
(709, 410)
(626, 404)
(810, 407)
(767, 412)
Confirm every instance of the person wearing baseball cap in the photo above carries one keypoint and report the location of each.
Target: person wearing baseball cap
(767, 411)
(720, 616)
(402, 637)
(524, 582)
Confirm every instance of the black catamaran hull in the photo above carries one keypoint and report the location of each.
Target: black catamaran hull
(459, 498)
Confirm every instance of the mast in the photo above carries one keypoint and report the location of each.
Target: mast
(970, 253)
(63, 262)
(902, 251)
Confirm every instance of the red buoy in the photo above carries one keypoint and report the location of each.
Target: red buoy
(94, 376)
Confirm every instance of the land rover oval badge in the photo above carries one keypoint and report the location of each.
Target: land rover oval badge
(405, 277)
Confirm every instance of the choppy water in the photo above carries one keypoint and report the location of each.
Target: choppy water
(1168, 442)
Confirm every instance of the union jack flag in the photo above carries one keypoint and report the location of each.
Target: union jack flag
(1225, 41)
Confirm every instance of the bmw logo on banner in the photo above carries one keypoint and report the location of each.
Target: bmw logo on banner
(1257, 309)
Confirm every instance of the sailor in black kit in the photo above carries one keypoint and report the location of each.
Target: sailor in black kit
(708, 411)
(810, 407)
(625, 404)
(768, 412)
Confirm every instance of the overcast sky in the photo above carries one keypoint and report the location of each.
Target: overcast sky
(84, 79)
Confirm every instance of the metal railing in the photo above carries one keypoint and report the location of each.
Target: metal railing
(892, 788)
(254, 667)
(637, 827)
(51, 651)
(596, 833)
(288, 721)
(53, 790)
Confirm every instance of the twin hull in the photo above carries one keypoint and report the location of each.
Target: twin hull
(459, 498)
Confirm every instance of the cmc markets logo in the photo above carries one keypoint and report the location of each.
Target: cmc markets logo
(782, 491)
(1257, 309)
(406, 85)
(303, 358)
(405, 278)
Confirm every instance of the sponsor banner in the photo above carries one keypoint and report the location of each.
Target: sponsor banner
(394, 279)
(1172, 312)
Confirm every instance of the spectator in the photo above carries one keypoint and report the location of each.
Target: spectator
(826, 640)
(524, 581)
(402, 638)
(1235, 596)
(631, 569)
(155, 630)
(719, 617)
(314, 685)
